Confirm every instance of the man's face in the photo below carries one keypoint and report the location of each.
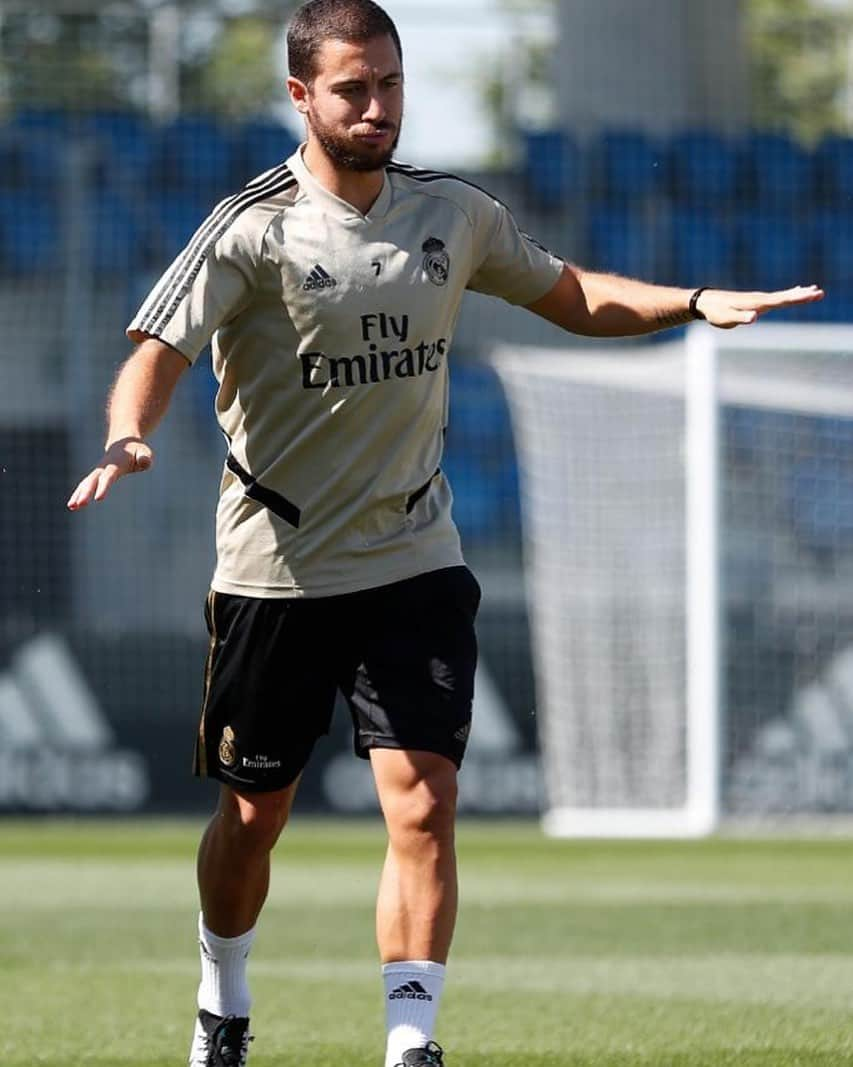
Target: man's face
(354, 105)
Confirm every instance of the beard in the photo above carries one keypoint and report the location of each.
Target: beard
(347, 153)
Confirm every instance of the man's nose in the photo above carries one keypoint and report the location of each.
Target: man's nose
(375, 110)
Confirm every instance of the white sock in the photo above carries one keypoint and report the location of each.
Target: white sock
(223, 989)
(412, 994)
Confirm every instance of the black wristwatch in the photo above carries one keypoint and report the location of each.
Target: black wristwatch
(695, 313)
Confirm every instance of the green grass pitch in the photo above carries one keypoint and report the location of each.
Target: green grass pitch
(726, 952)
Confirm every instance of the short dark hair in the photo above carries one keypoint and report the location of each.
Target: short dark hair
(317, 21)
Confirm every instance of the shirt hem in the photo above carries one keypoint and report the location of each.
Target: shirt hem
(221, 584)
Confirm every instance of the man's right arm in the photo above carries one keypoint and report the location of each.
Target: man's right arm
(138, 401)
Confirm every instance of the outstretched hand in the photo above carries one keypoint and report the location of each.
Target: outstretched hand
(726, 308)
(126, 456)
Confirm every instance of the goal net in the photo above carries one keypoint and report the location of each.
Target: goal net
(688, 533)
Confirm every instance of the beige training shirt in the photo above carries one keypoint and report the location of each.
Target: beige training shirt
(331, 334)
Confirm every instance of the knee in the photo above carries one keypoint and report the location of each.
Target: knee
(426, 811)
(255, 820)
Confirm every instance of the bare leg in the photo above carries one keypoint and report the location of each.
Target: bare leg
(234, 857)
(416, 906)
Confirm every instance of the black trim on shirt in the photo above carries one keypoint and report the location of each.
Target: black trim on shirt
(406, 170)
(422, 492)
(275, 502)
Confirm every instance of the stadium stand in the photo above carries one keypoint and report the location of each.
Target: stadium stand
(703, 246)
(38, 161)
(628, 166)
(43, 120)
(123, 146)
(832, 236)
(703, 169)
(623, 241)
(116, 232)
(479, 458)
(29, 232)
(174, 217)
(259, 145)
(194, 152)
(834, 171)
(778, 172)
(770, 250)
(648, 207)
(552, 167)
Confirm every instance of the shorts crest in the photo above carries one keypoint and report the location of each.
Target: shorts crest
(227, 751)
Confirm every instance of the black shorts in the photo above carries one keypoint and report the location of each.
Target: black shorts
(403, 655)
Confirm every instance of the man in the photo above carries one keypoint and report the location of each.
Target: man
(330, 286)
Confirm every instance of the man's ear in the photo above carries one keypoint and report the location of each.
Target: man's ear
(298, 95)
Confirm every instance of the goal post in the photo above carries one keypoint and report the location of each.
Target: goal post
(656, 485)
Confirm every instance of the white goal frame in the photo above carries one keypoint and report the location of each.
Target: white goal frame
(698, 353)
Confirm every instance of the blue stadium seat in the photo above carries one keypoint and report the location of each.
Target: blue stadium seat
(117, 232)
(703, 247)
(476, 506)
(630, 165)
(832, 235)
(174, 218)
(834, 165)
(478, 410)
(45, 120)
(260, 145)
(836, 306)
(479, 458)
(203, 389)
(195, 152)
(125, 146)
(30, 233)
(832, 246)
(31, 161)
(773, 252)
(552, 167)
(622, 241)
(778, 171)
(44, 162)
(703, 168)
(10, 161)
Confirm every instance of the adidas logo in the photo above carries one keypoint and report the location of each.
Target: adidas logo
(410, 991)
(208, 955)
(57, 746)
(318, 279)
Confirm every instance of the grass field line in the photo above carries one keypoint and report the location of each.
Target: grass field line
(146, 884)
(793, 981)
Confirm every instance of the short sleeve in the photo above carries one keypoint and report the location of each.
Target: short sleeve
(512, 265)
(207, 285)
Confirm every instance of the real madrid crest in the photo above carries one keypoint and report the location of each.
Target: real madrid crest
(227, 751)
(436, 261)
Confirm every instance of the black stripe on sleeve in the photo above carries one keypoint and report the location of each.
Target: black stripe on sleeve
(279, 173)
(190, 262)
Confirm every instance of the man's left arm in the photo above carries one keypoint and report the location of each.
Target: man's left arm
(606, 305)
